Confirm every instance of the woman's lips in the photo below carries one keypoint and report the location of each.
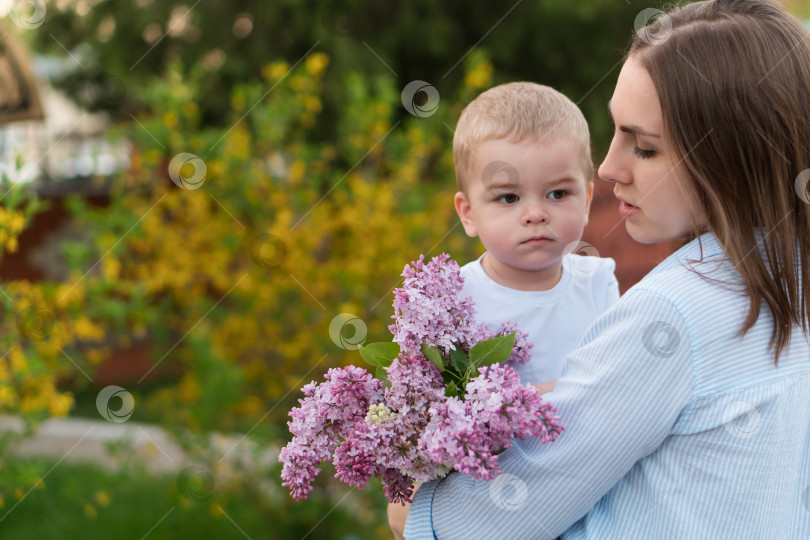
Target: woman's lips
(627, 210)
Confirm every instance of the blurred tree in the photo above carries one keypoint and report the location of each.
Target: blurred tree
(124, 46)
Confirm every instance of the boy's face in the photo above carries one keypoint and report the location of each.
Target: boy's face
(528, 203)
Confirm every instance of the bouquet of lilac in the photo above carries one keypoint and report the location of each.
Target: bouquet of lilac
(445, 397)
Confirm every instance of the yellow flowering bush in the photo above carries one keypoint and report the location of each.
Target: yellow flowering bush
(253, 256)
(41, 325)
(244, 274)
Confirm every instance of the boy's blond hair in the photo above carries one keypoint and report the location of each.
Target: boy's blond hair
(519, 111)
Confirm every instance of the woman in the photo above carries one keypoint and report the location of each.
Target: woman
(687, 409)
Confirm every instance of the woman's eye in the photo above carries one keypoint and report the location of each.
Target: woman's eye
(643, 154)
(557, 194)
(508, 198)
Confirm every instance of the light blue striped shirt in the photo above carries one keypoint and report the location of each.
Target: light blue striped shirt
(675, 427)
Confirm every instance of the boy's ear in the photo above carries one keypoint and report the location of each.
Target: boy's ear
(464, 211)
(588, 202)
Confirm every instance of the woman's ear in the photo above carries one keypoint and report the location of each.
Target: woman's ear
(464, 211)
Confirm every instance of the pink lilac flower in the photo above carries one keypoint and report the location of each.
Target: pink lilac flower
(383, 450)
(429, 308)
(410, 432)
(415, 384)
(398, 487)
(355, 460)
(467, 435)
(327, 412)
(509, 409)
(521, 352)
(415, 381)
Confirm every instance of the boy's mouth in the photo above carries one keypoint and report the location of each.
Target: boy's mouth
(538, 241)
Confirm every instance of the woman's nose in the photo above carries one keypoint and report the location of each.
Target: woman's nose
(612, 169)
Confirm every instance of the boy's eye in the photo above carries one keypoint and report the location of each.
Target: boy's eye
(557, 194)
(643, 154)
(508, 198)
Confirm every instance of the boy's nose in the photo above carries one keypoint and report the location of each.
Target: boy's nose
(534, 213)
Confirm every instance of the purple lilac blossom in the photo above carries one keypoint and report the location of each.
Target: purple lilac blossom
(522, 350)
(326, 413)
(416, 384)
(410, 432)
(429, 308)
(398, 487)
(467, 435)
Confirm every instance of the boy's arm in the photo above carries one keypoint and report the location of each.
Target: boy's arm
(398, 514)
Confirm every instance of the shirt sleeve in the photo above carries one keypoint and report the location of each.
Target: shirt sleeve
(612, 288)
(618, 398)
(420, 517)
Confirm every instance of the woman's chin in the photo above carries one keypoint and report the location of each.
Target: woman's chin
(643, 235)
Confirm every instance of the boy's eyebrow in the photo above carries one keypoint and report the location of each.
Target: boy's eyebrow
(632, 130)
(508, 184)
(563, 180)
(504, 182)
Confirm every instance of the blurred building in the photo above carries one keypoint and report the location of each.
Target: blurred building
(58, 148)
(44, 136)
(50, 143)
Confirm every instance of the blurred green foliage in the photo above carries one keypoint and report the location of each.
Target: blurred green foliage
(238, 279)
(78, 501)
(232, 250)
(125, 46)
(267, 199)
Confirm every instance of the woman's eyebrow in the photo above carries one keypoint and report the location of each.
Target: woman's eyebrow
(631, 129)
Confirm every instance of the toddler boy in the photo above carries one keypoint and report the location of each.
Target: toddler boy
(522, 156)
(525, 177)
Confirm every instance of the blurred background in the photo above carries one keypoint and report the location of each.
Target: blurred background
(205, 205)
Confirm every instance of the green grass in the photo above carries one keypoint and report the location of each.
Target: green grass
(84, 501)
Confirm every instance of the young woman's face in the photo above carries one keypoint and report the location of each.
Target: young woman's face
(644, 165)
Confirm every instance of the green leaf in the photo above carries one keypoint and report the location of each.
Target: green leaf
(460, 360)
(449, 375)
(434, 355)
(382, 375)
(379, 354)
(451, 390)
(491, 351)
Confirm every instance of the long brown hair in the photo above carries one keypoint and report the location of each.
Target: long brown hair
(733, 78)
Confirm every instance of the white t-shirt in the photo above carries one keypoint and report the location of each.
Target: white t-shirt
(555, 319)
